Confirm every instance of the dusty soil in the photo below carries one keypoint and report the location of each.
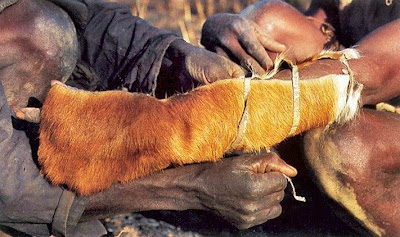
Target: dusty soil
(135, 224)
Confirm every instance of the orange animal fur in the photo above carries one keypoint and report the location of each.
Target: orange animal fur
(90, 140)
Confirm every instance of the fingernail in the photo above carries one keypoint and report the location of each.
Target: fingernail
(294, 170)
(19, 114)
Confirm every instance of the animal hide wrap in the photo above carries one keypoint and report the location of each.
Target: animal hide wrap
(90, 140)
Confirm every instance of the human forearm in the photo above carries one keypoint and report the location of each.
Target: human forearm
(185, 66)
(245, 190)
(378, 69)
(171, 189)
(120, 49)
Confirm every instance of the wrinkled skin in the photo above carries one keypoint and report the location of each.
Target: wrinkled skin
(245, 190)
(190, 66)
(366, 149)
(37, 44)
(233, 36)
(253, 37)
(366, 157)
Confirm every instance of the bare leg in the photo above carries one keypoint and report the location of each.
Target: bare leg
(37, 44)
(358, 165)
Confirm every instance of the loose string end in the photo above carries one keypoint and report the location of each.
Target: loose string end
(296, 197)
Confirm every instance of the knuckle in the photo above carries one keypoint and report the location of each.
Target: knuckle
(281, 182)
(249, 208)
(280, 196)
(253, 190)
(232, 25)
(246, 219)
(243, 226)
(275, 211)
(236, 25)
(226, 41)
(274, 157)
(252, 47)
(277, 182)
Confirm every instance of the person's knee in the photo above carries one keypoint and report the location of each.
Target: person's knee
(55, 37)
(344, 149)
(357, 165)
(40, 44)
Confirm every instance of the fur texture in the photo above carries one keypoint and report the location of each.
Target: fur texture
(89, 140)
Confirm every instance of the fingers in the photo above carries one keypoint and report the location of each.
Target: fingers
(267, 41)
(56, 82)
(246, 214)
(250, 213)
(260, 217)
(241, 40)
(28, 114)
(281, 166)
(235, 71)
(253, 47)
(259, 202)
(269, 162)
(257, 44)
(272, 182)
(242, 57)
(207, 67)
(249, 45)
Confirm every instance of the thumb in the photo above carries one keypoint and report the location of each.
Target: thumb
(281, 166)
(28, 114)
(237, 71)
(224, 69)
(233, 69)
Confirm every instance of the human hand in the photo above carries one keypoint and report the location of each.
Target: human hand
(29, 114)
(241, 40)
(193, 65)
(32, 114)
(247, 190)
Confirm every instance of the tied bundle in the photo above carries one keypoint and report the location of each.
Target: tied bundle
(90, 140)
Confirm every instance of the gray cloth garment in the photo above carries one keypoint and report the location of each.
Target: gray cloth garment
(6, 3)
(120, 50)
(28, 203)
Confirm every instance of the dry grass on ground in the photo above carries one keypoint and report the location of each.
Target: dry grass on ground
(186, 17)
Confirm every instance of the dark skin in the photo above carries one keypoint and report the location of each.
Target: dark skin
(367, 147)
(135, 196)
(31, 59)
(377, 69)
(250, 192)
(245, 190)
(371, 172)
(254, 37)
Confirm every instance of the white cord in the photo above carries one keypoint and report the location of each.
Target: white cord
(298, 198)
